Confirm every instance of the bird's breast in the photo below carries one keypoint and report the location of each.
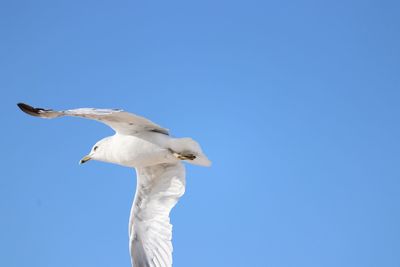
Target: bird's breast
(132, 151)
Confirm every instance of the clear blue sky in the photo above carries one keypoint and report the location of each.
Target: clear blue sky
(296, 103)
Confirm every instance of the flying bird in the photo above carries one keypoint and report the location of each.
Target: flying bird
(157, 158)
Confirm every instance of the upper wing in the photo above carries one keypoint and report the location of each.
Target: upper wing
(158, 189)
(119, 120)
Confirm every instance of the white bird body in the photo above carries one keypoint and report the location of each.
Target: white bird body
(133, 151)
(157, 158)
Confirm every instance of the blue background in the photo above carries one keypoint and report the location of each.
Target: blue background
(295, 102)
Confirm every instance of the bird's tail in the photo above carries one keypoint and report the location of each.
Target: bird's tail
(189, 150)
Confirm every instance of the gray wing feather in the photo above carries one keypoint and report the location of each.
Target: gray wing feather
(119, 120)
(159, 187)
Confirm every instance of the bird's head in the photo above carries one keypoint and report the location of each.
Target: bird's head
(98, 151)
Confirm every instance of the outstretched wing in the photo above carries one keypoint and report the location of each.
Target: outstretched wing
(158, 189)
(119, 120)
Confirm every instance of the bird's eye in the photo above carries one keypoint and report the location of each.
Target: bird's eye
(94, 149)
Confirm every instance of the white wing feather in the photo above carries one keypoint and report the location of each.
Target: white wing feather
(158, 189)
(120, 121)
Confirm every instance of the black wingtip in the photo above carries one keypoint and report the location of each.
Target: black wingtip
(20, 105)
(29, 109)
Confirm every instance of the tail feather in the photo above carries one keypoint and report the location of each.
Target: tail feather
(188, 145)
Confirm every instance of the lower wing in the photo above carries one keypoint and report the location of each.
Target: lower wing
(158, 189)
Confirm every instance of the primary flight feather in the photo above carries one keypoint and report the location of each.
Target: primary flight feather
(157, 158)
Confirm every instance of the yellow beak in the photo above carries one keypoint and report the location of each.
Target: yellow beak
(84, 159)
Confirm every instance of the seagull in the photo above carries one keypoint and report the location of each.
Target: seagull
(157, 157)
